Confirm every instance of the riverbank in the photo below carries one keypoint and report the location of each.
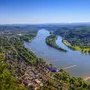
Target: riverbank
(29, 36)
(51, 41)
(84, 50)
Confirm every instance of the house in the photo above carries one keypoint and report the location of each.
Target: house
(38, 82)
(52, 69)
(34, 87)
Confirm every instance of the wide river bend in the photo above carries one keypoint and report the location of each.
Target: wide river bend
(80, 63)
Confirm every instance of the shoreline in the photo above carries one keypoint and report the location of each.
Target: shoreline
(76, 48)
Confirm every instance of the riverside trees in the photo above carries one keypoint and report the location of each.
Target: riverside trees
(77, 36)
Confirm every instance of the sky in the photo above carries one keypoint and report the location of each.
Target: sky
(44, 11)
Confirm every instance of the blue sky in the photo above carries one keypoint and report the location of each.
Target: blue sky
(44, 11)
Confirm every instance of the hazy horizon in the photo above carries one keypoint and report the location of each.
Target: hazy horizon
(44, 11)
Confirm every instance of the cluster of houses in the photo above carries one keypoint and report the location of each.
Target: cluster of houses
(31, 75)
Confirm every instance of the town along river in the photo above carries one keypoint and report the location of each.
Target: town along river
(76, 63)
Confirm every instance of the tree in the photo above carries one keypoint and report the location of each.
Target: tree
(7, 81)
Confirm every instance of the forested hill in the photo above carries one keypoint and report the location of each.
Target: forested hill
(21, 69)
(77, 36)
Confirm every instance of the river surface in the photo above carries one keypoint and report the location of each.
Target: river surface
(81, 62)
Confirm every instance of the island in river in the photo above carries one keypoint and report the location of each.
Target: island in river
(51, 41)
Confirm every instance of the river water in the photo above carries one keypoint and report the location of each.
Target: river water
(80, 62)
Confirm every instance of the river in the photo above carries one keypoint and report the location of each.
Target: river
(80, 62)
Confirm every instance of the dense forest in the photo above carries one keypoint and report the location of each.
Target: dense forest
(76, 37)
(21, 69)
(51, 41)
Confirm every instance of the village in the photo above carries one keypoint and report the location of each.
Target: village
(30, 76)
